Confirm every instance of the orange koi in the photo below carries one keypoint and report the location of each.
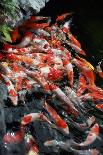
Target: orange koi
(81, 85)
(20, 58)
(66, 30)
(99, 106)
(87, 71)
(62, 17)
(94, 89)
(15, 34)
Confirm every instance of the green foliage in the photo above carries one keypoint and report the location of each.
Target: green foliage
(5, 32)
(8, 11)
(9, 8)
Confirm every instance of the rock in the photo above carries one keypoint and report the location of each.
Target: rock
(25, 8)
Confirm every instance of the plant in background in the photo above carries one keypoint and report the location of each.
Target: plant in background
(8, 13)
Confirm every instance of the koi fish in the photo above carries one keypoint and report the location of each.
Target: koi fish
(61, 124)
(92, 136)
(18, 76)
(76, 48)
(33, 150)
(86, 70)
(25, 41)
(11, 90)
(69, 69)
(82, 126)
(21, 51)
(31, 145)
(15, 34)
(63, 98)
(41, 32)
(99, 70)
(73, 96)
(91, 96)
(40, 79)
(86, 152)
(62, 17)
(11, 137)
(22, 58)
(6, 69)
(33, 117)
(66, 146)
(99, 106)
(94, 89)
(66, 29)
(51, 73)
(85, 62)
(81, 85)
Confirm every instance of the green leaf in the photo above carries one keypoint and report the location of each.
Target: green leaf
(7, 38)
(6, 33)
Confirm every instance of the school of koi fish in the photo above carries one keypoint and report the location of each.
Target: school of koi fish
(48, 55)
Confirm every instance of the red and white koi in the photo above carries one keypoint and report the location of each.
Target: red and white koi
(31, 145)
(92, 136)
(66, 29)
(32, 117)
(39, 78)
(33, 150)
(21, 51)
(51, 73)
(12, 137)
(67, 146)
(11, 90)
(18, 76)
(69, 70)
(61, 124)
(73, 96)
(76, 48)
(41, 32)
(6, 69)
(41, 43)
(63, 98)
(23, 58)
(91, 96)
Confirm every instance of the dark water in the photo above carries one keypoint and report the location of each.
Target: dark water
(87, 22)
